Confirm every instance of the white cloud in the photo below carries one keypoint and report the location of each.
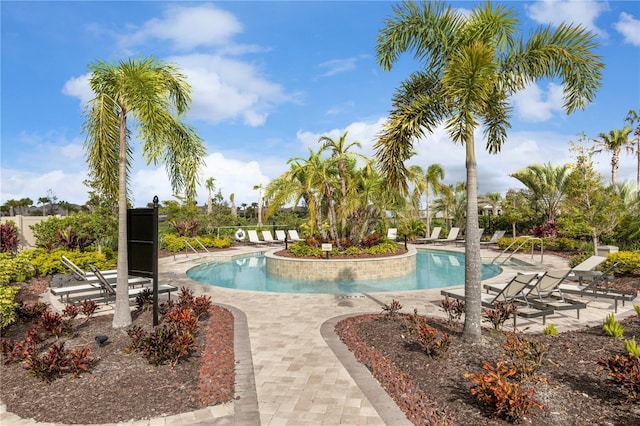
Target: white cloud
(533, 105)
(227, 89)
(78, 87)
(555, 12)
(338, 66)
(187, 28)
(629, 27)
(66, 186)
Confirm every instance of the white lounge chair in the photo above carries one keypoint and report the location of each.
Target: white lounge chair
(435, 234)
(254, 239)
(281, 235)
(463, 241)
(293, 236)
(82, 275)
(453, 234)
(109, 290)
(93, 284)
(266, 236)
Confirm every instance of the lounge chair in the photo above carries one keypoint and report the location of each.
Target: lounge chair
(435, 234)
(463, 241)
(494, 238)
(266, 236)
(293, 236)
(92, 283)
(597, 288)
(109, 290)
(281, 235)
(453, 234)
(254, 239)
(546, 291)
(82, 275)
(392, 234)
(513, 291)
(587, 268)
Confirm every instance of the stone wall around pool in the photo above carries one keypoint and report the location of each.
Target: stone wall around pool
(341, 269)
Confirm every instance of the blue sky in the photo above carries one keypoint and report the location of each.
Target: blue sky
(268, 79)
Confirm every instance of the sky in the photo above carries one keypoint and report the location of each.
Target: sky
(268, 80)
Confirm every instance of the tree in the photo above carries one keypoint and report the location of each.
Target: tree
(234, 209)
(633, 118)
(472, 65)
(423, 181)
(590, 208)
(516, 209)
(155, 95)
(547, 185)
(209, 184)
(613, 142)
(44, 201)
(259, 189)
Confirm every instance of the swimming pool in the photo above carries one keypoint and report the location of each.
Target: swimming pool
(434, 269)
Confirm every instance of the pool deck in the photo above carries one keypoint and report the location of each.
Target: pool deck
(291, 369)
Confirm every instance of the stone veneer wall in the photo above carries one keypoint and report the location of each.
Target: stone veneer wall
(341, 269)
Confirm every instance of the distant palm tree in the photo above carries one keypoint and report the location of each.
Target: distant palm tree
(259, 189)
(156, 96)
(44, 201)
(472, 65)
(209, 184)
(613, 142)
(234, 209)
(633, 118)
(244, 210)
(547, 185)
(422, 182)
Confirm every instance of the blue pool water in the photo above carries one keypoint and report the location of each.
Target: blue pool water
(434, 269)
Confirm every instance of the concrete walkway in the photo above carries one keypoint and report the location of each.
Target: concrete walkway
(291, 367)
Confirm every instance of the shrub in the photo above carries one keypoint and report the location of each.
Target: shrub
(500, 314)
(550, 330)
(8, 305)
(526, 355)
(9, 237)
(502, 396)
(372, 240)
(637, 309)
(303, 249)
(433, 342)
(391, 310)
(612, 327)
(624, 370)
(632, 347)
(628, 262)
(453, 307)
(383, 248)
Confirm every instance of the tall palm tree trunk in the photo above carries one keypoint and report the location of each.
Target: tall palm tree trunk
(473, 307)
(122, 313)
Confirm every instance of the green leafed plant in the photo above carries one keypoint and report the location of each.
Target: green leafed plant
(632, 347)
(612, 327)
(550, 330)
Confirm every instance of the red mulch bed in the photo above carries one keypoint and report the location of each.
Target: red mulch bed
(123, 386)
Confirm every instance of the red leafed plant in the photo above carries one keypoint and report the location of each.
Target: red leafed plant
(8, 238)
(503, 397)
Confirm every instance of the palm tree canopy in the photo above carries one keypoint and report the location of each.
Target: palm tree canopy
(150, 91)
(471, 67)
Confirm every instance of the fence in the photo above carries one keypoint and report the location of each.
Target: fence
(23, 223)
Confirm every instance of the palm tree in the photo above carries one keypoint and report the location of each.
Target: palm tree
(155, 95)
(547, 185)
(234, 209)
(209, 184)
(340, 152)
(44, 201)
(633, 118)
(472, 65)
(259, 189)
(613, 142)
(422, 182)
(244, 209)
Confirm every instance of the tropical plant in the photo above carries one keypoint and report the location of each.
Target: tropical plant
(613, 142)
(209, 184)
(422, 182)
(156, 96)
(473, 64)
(546, 184)
(633, 118)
